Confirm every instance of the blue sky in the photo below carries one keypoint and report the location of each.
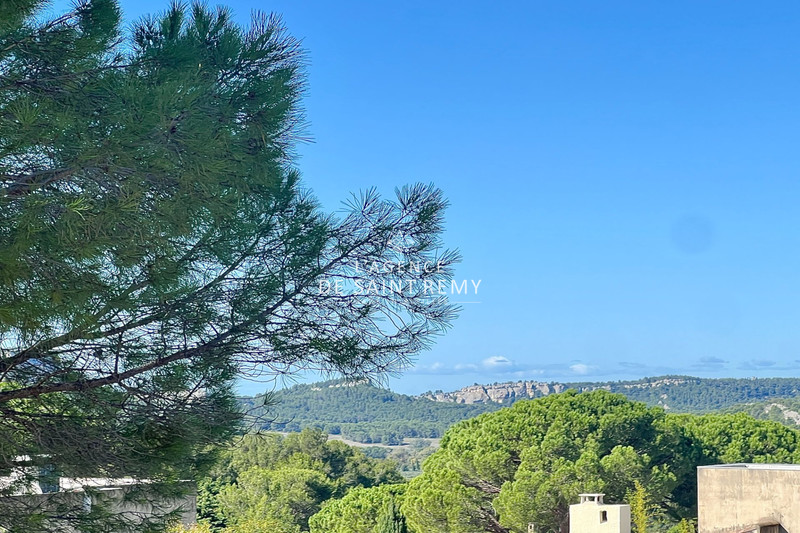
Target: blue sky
(623, 176)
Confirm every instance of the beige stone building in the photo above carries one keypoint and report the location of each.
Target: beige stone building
(748, 498)
(592, 515)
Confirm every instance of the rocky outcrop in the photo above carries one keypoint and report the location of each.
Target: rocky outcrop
(520, 390)
(497, 392)
(788, 414)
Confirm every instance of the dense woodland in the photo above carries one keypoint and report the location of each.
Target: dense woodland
(694, 395)
(495, 473)
(369, 414)
(270, 483)
(783, 410)
(357, 411)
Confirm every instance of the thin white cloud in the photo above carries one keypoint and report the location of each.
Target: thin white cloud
(501, 368)
(496, 365)
(580, 368)
(497, 361)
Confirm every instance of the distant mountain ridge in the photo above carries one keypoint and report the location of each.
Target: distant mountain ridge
(362, 412)
(676, 393)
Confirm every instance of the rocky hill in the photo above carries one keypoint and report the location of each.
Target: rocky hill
(497, 392)
(678, 393)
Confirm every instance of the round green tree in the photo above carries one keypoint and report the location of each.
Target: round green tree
(363, 510)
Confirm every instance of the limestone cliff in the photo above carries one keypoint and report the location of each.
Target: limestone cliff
(512, 391)
(497, 392)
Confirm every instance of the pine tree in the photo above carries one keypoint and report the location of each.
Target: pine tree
(156, 243)
(391, 520)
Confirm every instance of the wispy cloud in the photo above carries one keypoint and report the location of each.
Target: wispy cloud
(769, 364)
(495, 365)
(497, 361)
(500, 368)
(581, 368)
(710, 364)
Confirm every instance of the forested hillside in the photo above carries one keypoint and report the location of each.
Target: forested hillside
(783, 410)
(358, 411)
(370, 414)
(694, 395)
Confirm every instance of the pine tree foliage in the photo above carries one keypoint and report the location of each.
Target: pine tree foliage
(155, 242)
(362, 510)
(391, 520)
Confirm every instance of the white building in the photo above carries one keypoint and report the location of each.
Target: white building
(592, 515)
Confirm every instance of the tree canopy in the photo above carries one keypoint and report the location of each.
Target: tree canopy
(270, 479)
(362, 510)
(156, 242)
(527, 463)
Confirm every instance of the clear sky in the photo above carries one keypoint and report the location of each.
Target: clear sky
(623, 176)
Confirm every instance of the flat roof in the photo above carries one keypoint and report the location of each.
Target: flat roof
(755, 466)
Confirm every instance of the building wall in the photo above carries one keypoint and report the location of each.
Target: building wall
(733, 499)
(585, 518)
(116, 500)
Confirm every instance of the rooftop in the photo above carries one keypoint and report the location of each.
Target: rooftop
(754, 466)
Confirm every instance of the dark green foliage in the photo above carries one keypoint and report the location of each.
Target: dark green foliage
(155, 242)
(359, 411)
(783, 410)
(693, 395)
(391, 520)
(730, 438)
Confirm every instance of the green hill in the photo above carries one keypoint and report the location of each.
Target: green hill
(358, 411)
(697, 395)
(369, 414)
(783, 410)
